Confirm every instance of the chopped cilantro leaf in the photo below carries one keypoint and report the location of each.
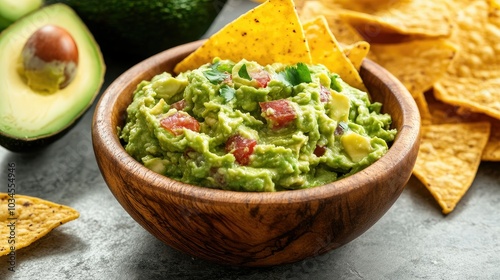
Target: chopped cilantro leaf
(215, 77)
(223, 67)
(244, 73)
(304, 73)
(282, 77)
(293, 76)
(215, 65)
(227, 92)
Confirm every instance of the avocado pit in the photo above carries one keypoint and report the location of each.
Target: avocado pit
(49, 59)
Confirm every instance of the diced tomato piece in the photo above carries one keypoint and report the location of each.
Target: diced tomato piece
(179, 105)
(262, 78)
(241, 148)
(278, 112)
(178, 121)
(319, 151)
(324, 94)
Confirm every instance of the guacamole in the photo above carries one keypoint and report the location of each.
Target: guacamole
(246, 127)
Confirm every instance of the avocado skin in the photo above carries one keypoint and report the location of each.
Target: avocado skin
(31, 145)
(141, 28)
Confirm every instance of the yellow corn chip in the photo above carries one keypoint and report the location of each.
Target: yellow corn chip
(417, 64)
(420, 18)
(448, 159)
(442, 113)
(473, 78)
(344, 33)
(356, 52)
(492, 150)
(449, 48)
(423, 109)
(494, 5)
(298, 3)
(269, 33)
(326, 50)
(25, 219)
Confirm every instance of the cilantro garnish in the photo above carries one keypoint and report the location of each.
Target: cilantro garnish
(293, 76)
(223, 67)
(215, 77)
(244, 73)
(217, 73)
(227, 92)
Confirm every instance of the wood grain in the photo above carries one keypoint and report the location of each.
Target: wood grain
(253, 229)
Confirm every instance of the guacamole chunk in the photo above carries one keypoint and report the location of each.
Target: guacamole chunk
(246, 127)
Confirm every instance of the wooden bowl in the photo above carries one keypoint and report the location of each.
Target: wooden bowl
(253, 229)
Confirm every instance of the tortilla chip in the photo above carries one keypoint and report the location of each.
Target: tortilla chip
(473, 78)
(423, 109)
(417, 64)
(298, 3)
(448, 159)
(442, 113)
(356, 52)
(492, 150)
(494, 5)
(420, 18)
(326, 50)
(269, 33)
(30, 219)
(343, 32)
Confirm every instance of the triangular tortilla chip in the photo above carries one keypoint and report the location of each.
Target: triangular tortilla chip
(30, 219)
(269, 33)
(327, 51)
(442, 113)
(494, 5)
(492, 150)
(344, 33)
(448, 159)
(356, 52)
(423, 109)
(417, 75)
(403, 17)
(473, 79)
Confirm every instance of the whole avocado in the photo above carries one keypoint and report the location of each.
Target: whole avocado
(141, 28)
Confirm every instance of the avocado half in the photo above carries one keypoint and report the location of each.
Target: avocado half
(30, 120)
(12, 10)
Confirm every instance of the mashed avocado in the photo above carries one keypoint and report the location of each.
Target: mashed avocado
(246, 127)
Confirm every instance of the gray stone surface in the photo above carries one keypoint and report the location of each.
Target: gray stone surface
(412, 241)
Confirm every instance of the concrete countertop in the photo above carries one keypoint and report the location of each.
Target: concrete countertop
(412, 241)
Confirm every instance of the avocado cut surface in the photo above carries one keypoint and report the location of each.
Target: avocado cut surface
(27, 115)
(12, 10)
(141, 28)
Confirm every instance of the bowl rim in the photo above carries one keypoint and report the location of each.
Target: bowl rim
(407, 139)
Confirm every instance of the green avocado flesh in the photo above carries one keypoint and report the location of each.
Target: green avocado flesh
(12, 10)
(246, 127)
(27, 115)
